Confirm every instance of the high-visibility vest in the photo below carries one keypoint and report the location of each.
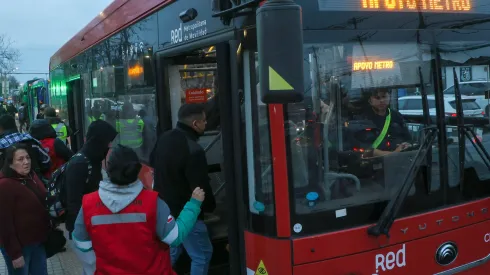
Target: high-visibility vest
(126, 242)
(130, 132)
(92, 118)
(61, 131)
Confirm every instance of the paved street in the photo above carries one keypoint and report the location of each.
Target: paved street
(65, 263)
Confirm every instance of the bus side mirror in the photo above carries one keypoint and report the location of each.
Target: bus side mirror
(280, 49)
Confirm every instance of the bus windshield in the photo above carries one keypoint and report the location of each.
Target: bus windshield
(333, 147)
(343, 163)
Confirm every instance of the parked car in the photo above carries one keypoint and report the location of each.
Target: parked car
(412, 105)
(479, 90)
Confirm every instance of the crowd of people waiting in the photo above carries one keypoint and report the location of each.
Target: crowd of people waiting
(115, 224)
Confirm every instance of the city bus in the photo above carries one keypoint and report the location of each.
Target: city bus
(35, 94)
(298, 187)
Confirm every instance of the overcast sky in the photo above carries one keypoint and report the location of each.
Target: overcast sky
(40, 27)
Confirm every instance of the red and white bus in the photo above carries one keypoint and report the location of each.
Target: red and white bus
(296, 190)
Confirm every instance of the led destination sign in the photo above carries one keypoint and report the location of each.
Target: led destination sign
(444, 6)
(373, 65)
(416, 5)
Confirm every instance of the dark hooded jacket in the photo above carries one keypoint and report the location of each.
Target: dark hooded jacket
(180, 166)
(41, 129)
(77, 182)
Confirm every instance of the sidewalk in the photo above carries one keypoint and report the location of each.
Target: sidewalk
(65, 263)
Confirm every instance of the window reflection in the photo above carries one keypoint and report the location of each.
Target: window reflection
(120, 88)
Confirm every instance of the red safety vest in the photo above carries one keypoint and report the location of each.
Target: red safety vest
(126, 242)
(56, 162)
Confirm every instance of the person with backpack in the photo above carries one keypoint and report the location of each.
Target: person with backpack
(131, 228)
(24, 223)
(83, 173)
(9, 135)
(23, 118)
(58, 152)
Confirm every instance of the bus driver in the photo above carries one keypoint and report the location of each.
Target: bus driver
(394, 135)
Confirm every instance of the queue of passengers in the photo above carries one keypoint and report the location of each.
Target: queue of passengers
(117, 226)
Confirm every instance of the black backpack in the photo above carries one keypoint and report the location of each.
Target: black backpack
(56, 197)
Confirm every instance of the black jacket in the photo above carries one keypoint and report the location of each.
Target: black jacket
(41, 129)
(181, 166)
(99, 135)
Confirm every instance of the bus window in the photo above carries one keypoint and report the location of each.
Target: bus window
(470, 61)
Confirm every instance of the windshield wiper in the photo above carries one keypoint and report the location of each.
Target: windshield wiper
(427, 122)
(461, 132)
(391, 211)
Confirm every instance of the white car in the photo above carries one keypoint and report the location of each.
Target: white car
(412, 105)
(479, 90)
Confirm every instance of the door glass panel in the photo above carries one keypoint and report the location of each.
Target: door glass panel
(194, 80)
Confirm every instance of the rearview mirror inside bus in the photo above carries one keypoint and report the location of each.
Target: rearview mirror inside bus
(280, 35)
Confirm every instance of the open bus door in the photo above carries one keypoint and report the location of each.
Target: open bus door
(75, 113)
(202, 75)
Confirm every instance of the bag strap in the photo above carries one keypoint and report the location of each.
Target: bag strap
(382, 136)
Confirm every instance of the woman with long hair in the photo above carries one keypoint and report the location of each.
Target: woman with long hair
(23, 218)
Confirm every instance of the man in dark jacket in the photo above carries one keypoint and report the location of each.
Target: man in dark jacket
(79, 178)
(9, 135)
(180, 166)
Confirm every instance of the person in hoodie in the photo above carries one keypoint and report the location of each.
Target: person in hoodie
(83, 174)
(58, 152)
(9, 135)
(99, 136)
(24, 222)
(131, 228)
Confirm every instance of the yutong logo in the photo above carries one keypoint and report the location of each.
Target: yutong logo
(391, 260)
(446, 253)
(454, 219)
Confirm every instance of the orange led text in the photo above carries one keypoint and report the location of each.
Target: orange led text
(373, 65)
(415, 5)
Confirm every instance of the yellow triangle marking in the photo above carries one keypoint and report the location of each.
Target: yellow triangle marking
(276, 82)
(261, 270)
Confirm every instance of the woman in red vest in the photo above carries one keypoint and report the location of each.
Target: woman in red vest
(56, 148)
(129, 228)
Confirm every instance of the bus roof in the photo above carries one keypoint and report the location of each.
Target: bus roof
(115, 17)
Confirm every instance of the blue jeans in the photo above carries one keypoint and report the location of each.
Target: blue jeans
(198, 247)
(34, 258)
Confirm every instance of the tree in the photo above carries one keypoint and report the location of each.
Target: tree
(9, 56)
(13, 82)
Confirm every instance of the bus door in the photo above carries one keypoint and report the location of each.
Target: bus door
(75, 113)
(192, 78)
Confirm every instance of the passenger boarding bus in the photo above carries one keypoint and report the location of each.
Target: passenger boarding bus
(298, 185)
